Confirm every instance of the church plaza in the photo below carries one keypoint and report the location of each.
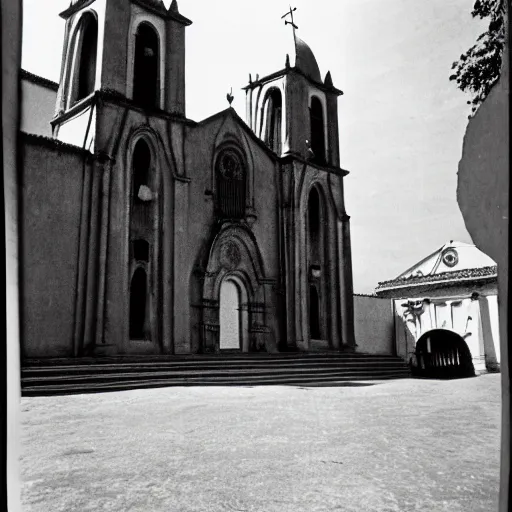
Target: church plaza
(403, 445)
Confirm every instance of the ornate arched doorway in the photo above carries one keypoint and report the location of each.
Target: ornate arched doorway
(441, 353)
(234, 303)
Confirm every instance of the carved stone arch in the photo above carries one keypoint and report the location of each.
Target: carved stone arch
(234, 254)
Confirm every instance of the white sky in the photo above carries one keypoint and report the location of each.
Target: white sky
(401, 120)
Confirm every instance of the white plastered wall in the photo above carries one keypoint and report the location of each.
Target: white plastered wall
(471, 319)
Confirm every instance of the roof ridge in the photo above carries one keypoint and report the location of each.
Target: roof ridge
(487, 271)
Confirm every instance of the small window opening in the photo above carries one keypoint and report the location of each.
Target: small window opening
(141, 250)
(138, 290)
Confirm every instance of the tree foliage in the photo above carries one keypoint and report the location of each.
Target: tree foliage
(478, 69)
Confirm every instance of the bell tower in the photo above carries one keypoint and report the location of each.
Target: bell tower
(134, 49)
(293, 111)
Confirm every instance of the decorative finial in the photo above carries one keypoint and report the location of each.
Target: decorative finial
(257, 77)
(287, 63)
(250, 78)
(230, 97)
(290, 13)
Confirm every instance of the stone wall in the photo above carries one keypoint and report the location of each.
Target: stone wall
(37, 106)
(51, 197)
(373, 324)
(483, 196)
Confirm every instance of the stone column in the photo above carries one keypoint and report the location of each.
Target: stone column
(475, 340)
(346, 285)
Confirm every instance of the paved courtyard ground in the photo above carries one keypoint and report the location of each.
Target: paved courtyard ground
(405, 445)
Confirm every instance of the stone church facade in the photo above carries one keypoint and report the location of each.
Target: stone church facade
(134, 218)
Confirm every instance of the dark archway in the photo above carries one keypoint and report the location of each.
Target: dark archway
(138, 291)
(314, 314)
(145, 72)
(273, 110)
(443, 354)
(317, 131)
(316, 267)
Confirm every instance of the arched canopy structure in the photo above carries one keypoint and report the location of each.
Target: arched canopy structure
(443, 354)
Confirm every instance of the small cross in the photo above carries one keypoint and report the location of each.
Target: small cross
(290, 13)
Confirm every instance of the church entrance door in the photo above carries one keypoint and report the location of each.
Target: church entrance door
(229, 316)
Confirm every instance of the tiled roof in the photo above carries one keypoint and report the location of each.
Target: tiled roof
(39, 80)
(53, 143)
(459, 275)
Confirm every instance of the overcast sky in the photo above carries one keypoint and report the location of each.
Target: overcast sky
(401, 120)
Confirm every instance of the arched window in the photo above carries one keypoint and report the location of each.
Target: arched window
(231, 185)
(145, 71)
(138, 290)
(317, 130)
(273, 109)
(141, 168)
(85, 45)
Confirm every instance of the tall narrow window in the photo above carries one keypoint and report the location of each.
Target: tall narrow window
(314, 227)
(145, 73)
(317, 131)
(84, 65)
(273, 117)
(231, 185)
(141, 166)
(314, 314)
(138, 289)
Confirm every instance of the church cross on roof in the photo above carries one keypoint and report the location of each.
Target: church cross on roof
(290, 13)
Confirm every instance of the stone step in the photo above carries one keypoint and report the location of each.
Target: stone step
(353, 380)
(108, 373)
(221, 372)
(275, 359)
(200, 365)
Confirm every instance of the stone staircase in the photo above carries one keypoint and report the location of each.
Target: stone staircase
(85, 375)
